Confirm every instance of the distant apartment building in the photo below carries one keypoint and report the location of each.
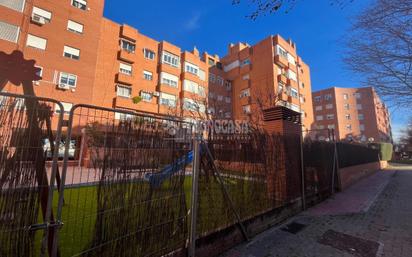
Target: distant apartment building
(261, 76)
(86, 58)
(355, 114)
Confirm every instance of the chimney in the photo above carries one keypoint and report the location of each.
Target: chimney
(196, 51)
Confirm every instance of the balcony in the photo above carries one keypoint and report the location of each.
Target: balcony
(124, 78)
(128, 32)
(246, 100)
(283, 79)
(281, 61)
(292, 83)
(126, 56)
(123, 102)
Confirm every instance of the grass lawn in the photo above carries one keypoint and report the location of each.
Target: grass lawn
(81, 204)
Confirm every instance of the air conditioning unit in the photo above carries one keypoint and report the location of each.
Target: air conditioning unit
(156, 93)
(64, 86)
(38, 19)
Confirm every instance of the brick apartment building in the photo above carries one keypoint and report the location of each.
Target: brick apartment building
(354, 113)
(86, 58)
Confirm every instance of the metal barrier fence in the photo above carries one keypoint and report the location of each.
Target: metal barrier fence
(94, 181)
(260, 172)
(27, 185)
(126, 195)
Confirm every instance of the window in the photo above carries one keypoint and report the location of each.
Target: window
(246, 109)
(345, 96)
(318, 99)
(190, 86)
(125, 69)
(147, 97)
(36, 42)
(211, 110)
(122, 116)
(228, 99)
(127, 46)
(319, 117)
(191, 68)
(321, 127)
(149, 54)
(346, 106)
(282, 52)
(294, 93)
(349, 127)
(329, 106)
(124, 91)
(9, 32)
(71, 53)
(66, 108)
(318, 108)
(190, 105)
(68, 79)
(228, 115)
(362, 127)
(17, 5)
(347, 117)
(246, 77)
(170, 59)
(220, 97)
(358, 95)
(81, 4)
(38, 73)
(291, 75)
(245, 93)
(220, 80)
(211, 62)
(147, 75)
(280, 88)
(211, 95)
(245, 62)
(330, 116)
(169, 79)
(202, 75)
(361, 117)
(291, 59)
(202, 91)
(41, 14)
(302, 85)
(231, 66)
(74, 27)
(212, 78)
(328, 97)
(228, 85)
(167, 99)
(359, 106)
(332, 126)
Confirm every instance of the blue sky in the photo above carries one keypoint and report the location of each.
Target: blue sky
(210, 25)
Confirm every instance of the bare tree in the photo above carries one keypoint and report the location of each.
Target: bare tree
(263, 7)
(379, 48)
(406, 138)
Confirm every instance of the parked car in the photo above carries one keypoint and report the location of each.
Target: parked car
(62, 146)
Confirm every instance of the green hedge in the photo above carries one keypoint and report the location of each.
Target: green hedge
(385, 150)
(356, 154)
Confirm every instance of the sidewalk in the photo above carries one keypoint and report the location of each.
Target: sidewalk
(371, 218)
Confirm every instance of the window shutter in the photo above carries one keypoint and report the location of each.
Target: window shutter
(71, 50)
(71, 25)
(9, 32)
(42, 12)
(36, 42)
(16, 5)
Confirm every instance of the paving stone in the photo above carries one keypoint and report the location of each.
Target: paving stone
(383, 215)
